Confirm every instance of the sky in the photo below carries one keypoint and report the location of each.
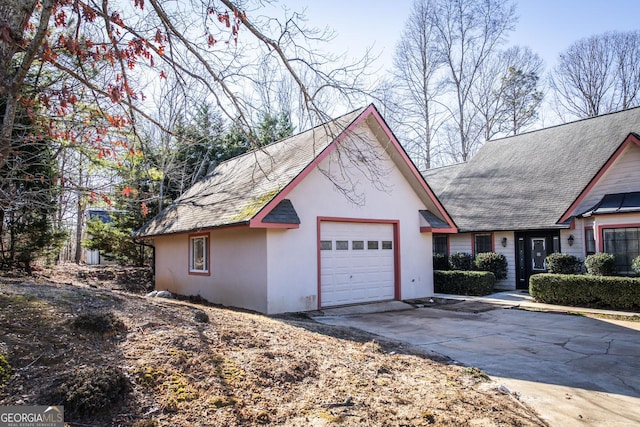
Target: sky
(546, 26)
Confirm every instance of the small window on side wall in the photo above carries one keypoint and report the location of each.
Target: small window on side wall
(482, 242)
(590, 241)
(199, 254)
(441, 244)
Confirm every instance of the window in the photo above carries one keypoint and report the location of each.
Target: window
(357, 245)
(372, 244)
(325, 245)
(624, 244)
(590, 241)
(482, 242)
(199, 254)
(440, 244)
(342, 245)
(387, 244)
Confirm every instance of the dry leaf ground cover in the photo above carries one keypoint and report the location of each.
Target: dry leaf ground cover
(74, 336)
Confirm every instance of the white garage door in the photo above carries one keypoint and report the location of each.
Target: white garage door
(357, 263)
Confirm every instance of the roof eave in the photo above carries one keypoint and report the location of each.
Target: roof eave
(240, 224)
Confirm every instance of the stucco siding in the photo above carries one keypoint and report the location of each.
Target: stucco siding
(238, 268)
(293, 254)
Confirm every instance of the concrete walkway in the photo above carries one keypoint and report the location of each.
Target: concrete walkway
(574, 370)
(522, 299)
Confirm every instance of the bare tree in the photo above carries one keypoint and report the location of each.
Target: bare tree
(598, 74)
(506, 93)
(468, 34)
(107, 49)
(627, 57)
(443, 62)
(416, 68)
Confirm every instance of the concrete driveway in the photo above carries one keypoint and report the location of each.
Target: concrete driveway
(573, 370)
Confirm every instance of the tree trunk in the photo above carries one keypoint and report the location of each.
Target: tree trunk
(80, 220)
(14, 15)
(13, 18)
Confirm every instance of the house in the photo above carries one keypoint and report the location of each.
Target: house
(334, 215)
(573, 188)
(93, 256)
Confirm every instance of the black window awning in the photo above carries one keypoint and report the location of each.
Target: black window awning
(615, 203)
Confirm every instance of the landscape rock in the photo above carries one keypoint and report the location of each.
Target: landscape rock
(164, 294)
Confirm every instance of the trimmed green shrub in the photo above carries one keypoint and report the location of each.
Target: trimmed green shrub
(600, 264)
(493, 262)
(561, 263)
(635, 265)
(440, 262)
(586, 291)
(461, 261)
(464, 282)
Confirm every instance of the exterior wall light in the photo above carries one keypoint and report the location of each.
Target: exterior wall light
(570, 240)
(504, 242)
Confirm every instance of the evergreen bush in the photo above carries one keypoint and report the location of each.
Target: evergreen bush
(461, 261)
(600, 264)
(464, 282)
(635, 265)
(622, 293)
(493, 262)
(562, 263)
(440, 262)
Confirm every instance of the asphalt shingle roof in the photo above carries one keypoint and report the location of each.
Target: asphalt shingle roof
(528, 181)
(283, 213)
(236, 190)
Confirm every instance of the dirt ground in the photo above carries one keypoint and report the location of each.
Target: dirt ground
(88, 338)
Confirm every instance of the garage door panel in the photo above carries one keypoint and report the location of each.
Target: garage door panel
(362, 272)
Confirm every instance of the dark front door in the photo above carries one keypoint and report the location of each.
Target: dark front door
(532, 249)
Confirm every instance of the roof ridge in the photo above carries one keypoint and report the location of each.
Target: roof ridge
(280, 141)
(438, 168)
(564, 124)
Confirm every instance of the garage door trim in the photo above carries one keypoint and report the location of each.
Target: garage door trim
(396, 249)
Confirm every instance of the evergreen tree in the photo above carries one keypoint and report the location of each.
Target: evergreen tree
(274, 127)
(28, 202)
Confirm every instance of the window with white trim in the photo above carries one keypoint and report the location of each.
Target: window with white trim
(198, 254)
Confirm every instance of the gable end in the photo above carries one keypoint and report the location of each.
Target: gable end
(632, 138)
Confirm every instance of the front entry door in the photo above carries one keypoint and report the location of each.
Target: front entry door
(538, 254)
(532, 249)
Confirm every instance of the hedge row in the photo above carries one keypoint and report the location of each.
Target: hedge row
(464, 282)
(586, 290)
